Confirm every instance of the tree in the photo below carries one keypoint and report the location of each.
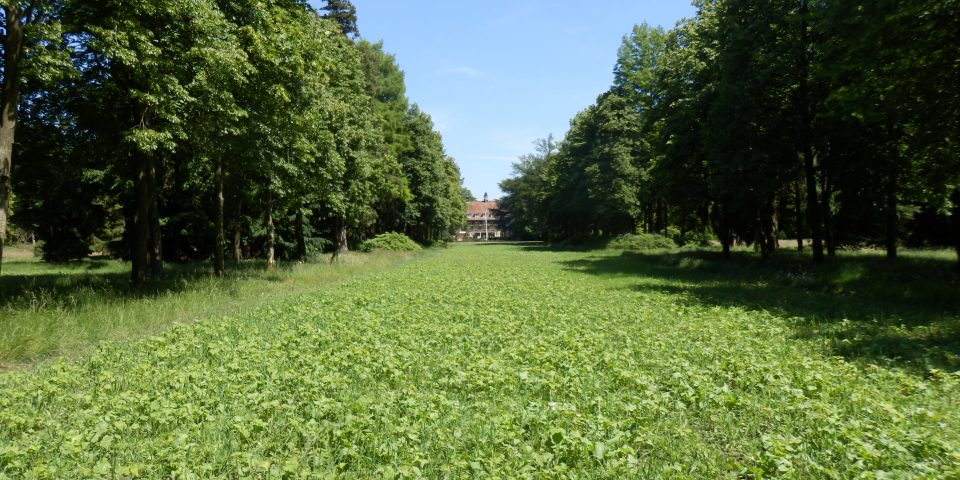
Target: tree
(345, 14)
(153, 57)
(31, 44)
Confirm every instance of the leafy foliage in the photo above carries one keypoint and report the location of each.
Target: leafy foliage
(390, 241)
(754, 118)
(178, 122)
(642, 241)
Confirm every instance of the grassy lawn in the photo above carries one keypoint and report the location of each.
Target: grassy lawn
(501, 361)
(65, 310)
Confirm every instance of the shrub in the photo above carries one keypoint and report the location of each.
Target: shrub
(642, 241)
(392, 241)
(698, 239)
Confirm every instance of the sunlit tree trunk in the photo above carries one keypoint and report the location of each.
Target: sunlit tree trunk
(237, 247)
(218, 254)
(342, 245)
(271, 232)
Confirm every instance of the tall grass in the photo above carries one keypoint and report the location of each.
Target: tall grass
(65, 310)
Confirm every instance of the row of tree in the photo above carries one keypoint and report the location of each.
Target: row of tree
(150, 129)
(831, 120)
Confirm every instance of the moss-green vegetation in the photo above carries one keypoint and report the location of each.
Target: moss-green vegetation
(642, 241)
(392, 241)
(66, 309)
(520, 361)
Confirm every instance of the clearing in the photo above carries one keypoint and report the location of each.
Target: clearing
(520, 361)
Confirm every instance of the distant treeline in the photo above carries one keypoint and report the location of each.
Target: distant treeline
(175, 130)
(835, 121)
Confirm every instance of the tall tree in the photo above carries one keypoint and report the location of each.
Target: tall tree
(345, 14)
(151, 55)
(31, 32)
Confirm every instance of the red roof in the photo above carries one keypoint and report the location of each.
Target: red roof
(477, 207)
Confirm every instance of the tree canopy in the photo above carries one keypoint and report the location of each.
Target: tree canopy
(753, 121)
(166, 123)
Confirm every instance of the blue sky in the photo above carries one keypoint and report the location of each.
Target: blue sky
(496, 75)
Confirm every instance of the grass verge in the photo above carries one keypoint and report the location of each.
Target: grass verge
(65, 310)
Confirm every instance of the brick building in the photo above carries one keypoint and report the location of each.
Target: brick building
(484, 221)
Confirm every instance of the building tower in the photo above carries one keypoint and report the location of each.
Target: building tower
(486, 213)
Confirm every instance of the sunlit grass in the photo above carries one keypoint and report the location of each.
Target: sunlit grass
(49, 310)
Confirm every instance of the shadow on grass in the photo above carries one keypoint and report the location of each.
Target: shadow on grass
(903, 313)
(74, 284)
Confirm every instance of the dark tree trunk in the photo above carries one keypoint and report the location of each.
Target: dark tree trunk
(155, 248)
(301, 238)
(140, 235)
(237, 246)
(813, 210)
(797, 214)
(827, 216)
(768, 228)
(13, 46)
(218, 253)
(892, 219)
(955, 217)
(271, 232)
(725, 238)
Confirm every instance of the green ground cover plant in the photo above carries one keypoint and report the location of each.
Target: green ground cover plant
(520, 361)
(50, 310)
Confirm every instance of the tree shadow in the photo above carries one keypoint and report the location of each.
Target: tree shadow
(903, 313)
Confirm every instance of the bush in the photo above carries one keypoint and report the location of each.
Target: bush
(642, 241)
(698, 239)
(392, 241)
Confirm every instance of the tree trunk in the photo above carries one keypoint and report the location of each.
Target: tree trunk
(237, 247)
(218, 254)
(797, 214)
(725, 239)
(140, 237)
(271, 232)
(12, 62)
(340, 233)
(891, 212)
(768, 229)
(156, 244)
(955, 217)
(342, 245)
(301, 237)
(827, 216)
(813, 210)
